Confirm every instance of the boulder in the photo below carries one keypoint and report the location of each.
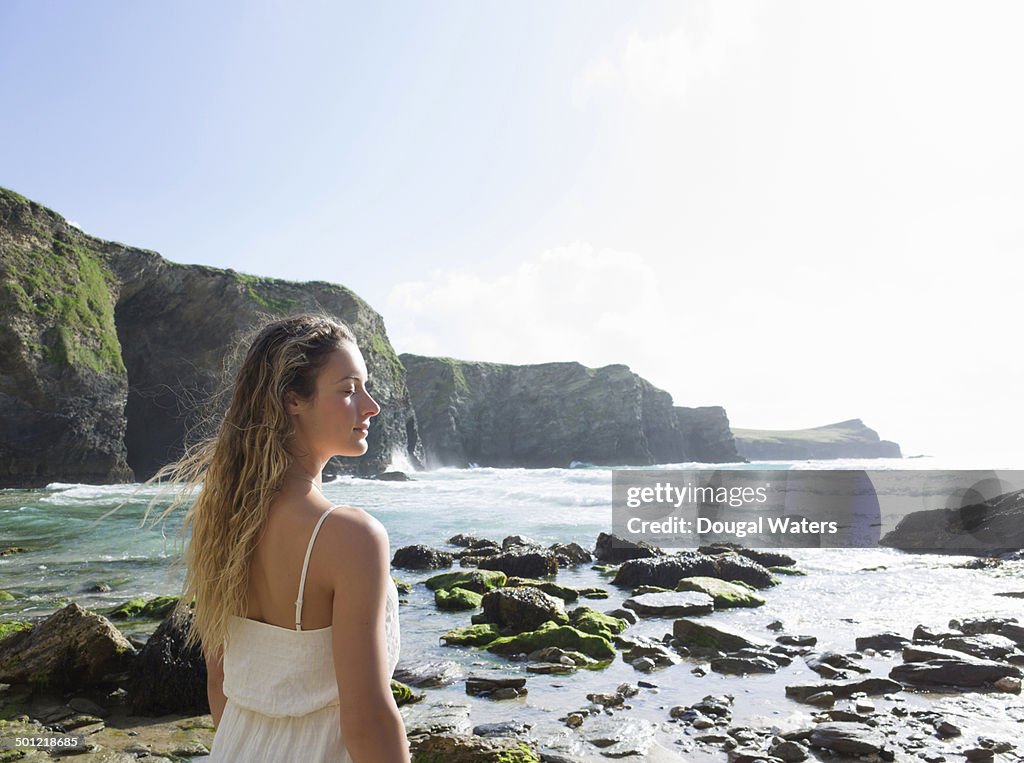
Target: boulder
(521, 608)
(845, 689)
(743, 665)
(167, 678)
(671, 604)
(551, 634)
(590, 620)
(565, 593)
(71, 649)
(988, 646)
(613, 549)
(570, 554)
(527, 564)
(720, 637)
(972, 672)
(764, 558)
(420, 557)
(480, 581)
(724, 593)
(848, 738)
(456, 599)
(882, 642)
(475, 635)
(428, 674)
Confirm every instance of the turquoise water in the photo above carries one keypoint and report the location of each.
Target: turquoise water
(846, 593)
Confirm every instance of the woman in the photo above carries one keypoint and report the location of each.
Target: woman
(294, 603)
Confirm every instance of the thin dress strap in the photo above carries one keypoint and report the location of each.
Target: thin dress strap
(305, 566)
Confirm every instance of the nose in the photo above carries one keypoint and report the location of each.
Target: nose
(372, 408)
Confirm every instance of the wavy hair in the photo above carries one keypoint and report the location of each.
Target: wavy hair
(240, 469)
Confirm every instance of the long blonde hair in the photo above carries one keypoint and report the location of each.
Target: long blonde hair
(241, 468)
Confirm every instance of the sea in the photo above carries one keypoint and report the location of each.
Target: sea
(70, 547)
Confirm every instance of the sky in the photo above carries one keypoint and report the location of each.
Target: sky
(802, 211)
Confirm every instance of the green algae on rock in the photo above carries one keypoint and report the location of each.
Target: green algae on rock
(726, 594)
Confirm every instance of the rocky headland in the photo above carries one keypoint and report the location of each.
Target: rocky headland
(844, 439)
(552, 414)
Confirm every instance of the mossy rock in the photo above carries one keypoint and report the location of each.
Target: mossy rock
(6, 596)
(450, 748)
(403, 694)
(593, 593)
(597, 623)
(726, 594)
(155, 608)
(127, 609)
(565, 593)
(786, 571)
(456, 599)
(606, 569)
(550, 634)
(13, 626)
(480, 581)
(475, 635)
(641, 590)
(402, 586)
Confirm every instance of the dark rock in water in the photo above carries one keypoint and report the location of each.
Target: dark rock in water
(953, 672)
(988, 646)
(479, 686)
(990, 526)
(71, 649)
(926, 652)
(670, 604)
(1013, 632)
(469, 540)
(845, 689)
(613, 549)
(503, 729)
(420, 557)
(693, 633)
(764, 558)
(530, 564)
(790, 752)
(392, 477)
(519, 541)
(797, 640)
(569, 554)
(743, 665)
(848, 738)
(977, 626)
(1011, 594)
(923, 633)
(745, 570)
(650, 654)
(665, 571)
(833, 660)
(882, 642)
(522, 608)
(428, 674)
(165, 677)
(624, 614)
(472, 749)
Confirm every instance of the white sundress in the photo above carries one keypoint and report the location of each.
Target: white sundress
(282, 693)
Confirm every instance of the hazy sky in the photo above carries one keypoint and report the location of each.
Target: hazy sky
(803, 211)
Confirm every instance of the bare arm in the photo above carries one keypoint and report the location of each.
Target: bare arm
(370, 722)
(215, 686)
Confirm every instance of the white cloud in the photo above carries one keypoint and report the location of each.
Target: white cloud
(573, 302)
(663, 67)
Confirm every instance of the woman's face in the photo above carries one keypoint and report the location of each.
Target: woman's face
(335, 421)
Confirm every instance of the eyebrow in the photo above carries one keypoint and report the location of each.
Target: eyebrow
(353, 376)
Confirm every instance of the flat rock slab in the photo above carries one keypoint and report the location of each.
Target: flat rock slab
(845, 689)
(671, 604)
(437, 718)
(693, 633)
(847, 737)
(953, 672)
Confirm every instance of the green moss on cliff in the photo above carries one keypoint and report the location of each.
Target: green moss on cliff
(66, 290)
(265, 292)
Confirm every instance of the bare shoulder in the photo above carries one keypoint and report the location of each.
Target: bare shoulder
(356, 537)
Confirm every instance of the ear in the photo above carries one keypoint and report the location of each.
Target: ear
(292, 403)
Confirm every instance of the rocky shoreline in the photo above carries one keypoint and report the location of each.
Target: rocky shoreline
(933, 694)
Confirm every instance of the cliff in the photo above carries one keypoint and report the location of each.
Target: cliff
(845, 439)
(110, 354)
(551, 414)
